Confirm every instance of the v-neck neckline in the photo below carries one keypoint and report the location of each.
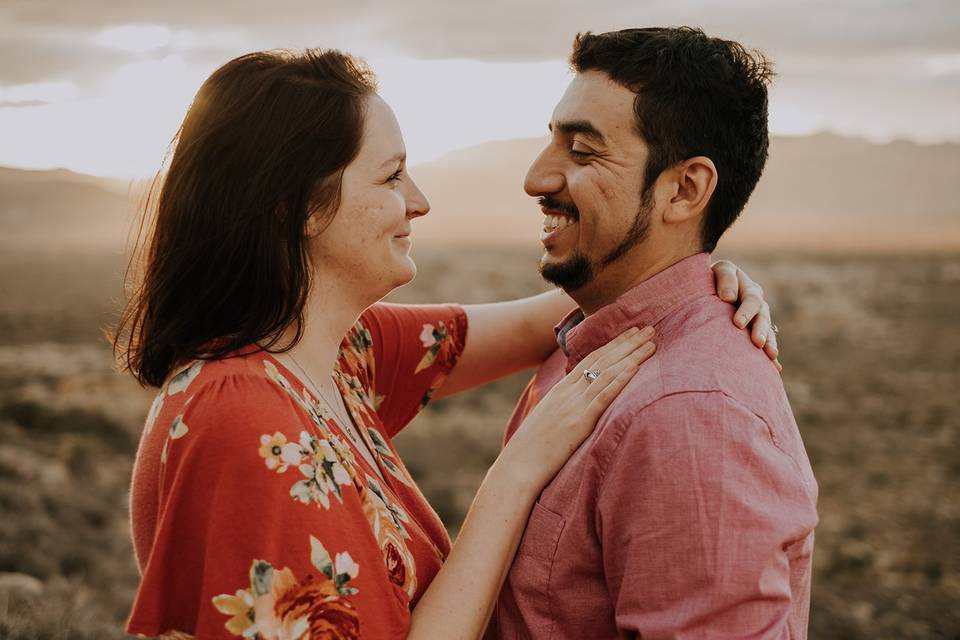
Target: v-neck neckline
(383, 474)
(377, 466)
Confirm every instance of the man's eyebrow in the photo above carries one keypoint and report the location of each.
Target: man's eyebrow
(400, 157)
(583, 127)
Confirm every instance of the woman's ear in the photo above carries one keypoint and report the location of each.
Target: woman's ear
(695, 181)
(318, 219)
(315, 223)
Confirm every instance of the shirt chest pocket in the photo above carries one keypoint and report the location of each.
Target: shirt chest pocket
(533, 568)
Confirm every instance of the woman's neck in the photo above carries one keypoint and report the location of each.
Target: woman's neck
(328, 316)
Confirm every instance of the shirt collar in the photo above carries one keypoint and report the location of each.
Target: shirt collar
(644, 305)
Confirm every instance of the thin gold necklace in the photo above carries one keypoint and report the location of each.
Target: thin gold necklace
(347, 423)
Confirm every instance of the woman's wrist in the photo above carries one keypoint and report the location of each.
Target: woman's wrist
(515, 468)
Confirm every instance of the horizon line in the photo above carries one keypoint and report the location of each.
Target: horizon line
(795, 136)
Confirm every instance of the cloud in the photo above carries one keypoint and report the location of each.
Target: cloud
(50, 37)
(862, 66)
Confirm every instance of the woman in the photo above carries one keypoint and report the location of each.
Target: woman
(268, 500)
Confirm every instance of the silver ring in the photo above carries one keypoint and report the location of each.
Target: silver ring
(774, 328)
(590, 374)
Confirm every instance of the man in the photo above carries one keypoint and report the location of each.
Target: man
(689, 512)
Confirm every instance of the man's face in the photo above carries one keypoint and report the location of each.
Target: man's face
(590, 181)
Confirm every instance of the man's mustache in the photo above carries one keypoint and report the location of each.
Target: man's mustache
(550, 202)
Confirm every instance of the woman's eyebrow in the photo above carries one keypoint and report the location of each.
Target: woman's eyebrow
(397, 157)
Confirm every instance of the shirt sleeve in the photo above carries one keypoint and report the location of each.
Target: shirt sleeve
(260, 529)
(696, 513)
(414, 349)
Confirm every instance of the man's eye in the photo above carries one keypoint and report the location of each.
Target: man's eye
(579, 154)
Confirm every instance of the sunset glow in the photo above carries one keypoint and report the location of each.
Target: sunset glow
(107, 99)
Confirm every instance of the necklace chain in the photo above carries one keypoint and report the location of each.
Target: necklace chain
(346, 423)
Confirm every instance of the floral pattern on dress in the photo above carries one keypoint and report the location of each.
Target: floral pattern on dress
(387, 457)
(441, 349)
(316, 460)
(356, 352)
(251, 585)
(178, 429)
(387, 520)
(362, 407)
(176, 384)
(328, 462)
(182, 380)
(155, 408)
(277, 606)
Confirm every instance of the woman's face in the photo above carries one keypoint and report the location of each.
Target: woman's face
(367, 245)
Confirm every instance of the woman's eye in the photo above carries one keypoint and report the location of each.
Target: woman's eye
(396, 176)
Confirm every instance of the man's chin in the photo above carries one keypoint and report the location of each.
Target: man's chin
(570, 274)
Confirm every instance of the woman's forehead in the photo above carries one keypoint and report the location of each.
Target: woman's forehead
(382, 139)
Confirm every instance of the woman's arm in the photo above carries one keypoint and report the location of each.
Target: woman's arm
(459, 601)
(506, 337)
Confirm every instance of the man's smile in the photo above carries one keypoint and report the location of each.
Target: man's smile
(556, 225)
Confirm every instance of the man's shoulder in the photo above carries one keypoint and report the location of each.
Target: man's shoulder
(703, 351)
(703, 362)
(702, 409)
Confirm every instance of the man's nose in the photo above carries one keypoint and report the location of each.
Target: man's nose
(543, 176)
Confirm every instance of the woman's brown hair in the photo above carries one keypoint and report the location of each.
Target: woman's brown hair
(225, 261)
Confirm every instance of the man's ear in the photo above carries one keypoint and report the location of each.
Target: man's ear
(694, 181)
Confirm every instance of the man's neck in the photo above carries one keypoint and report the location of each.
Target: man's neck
(616, 279)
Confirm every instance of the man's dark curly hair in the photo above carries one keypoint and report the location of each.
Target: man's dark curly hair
(695, 96)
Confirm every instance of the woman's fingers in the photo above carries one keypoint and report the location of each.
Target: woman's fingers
(615, 350)
(772, 349)
(570, 410)
(771, 346)
(752, 311)
(761, 326)
(727, 285)
(623, 350)
(751, 300)
(608, 386)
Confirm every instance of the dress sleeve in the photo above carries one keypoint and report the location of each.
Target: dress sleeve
(698, 515)
(260, 529)
(414, 349)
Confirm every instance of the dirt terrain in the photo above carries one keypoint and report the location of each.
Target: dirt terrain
(871, 354)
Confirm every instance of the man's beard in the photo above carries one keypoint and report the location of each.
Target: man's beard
(578, 271)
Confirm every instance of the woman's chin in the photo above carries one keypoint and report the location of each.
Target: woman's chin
(405, 272)
(411, 272)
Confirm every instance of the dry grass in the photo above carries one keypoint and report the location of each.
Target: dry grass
(871, 354)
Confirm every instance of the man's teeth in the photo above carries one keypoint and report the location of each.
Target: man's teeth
(555, 223)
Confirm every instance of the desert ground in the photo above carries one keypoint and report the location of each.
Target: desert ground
(871, 357)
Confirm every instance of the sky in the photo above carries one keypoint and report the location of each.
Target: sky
(100, 86)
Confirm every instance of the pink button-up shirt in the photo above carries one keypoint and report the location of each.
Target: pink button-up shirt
(689, 512)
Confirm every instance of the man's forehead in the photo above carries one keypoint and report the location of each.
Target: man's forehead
(592, 97)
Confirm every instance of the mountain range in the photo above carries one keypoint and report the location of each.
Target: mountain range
(818, 193)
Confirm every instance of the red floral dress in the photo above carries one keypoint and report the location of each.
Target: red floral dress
(255, 516)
